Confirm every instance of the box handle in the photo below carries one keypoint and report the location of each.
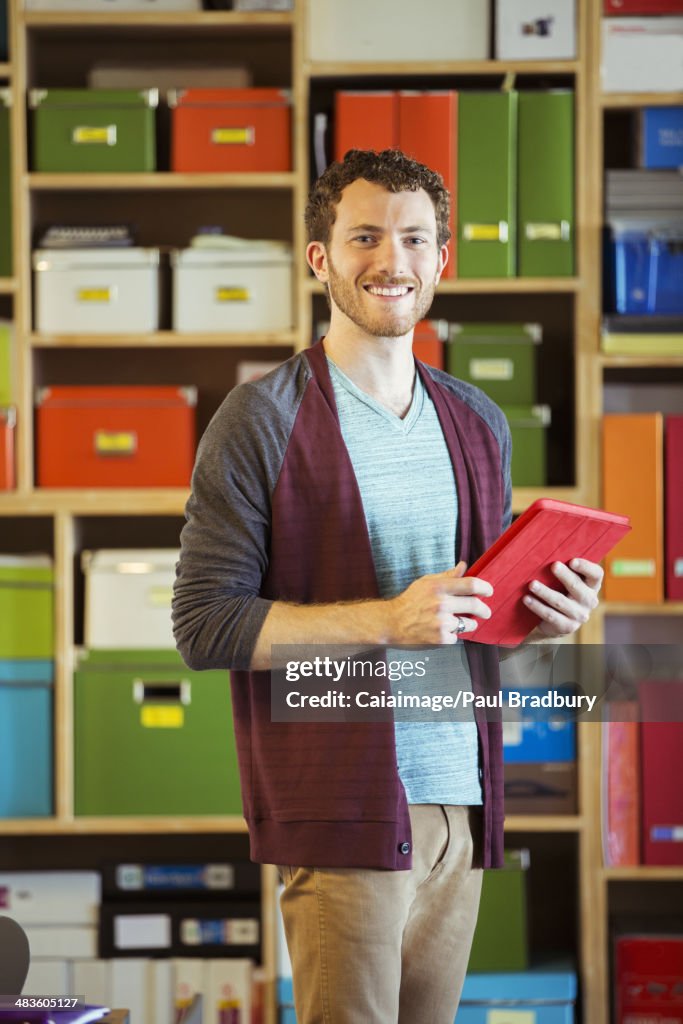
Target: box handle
(94, 135)
(486, 232)
(179, 692)
(245, 136)
(116, 443)
(548, 231)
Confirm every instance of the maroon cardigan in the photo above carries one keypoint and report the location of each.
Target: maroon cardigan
(321, 794)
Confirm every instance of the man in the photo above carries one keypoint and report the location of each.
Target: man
(339, 500)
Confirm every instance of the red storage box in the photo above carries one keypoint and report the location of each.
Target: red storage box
(673, 496)
(7, 423)
(230, 130)
(428, 341)
(649, 979)
(115, 436)
(643, 6)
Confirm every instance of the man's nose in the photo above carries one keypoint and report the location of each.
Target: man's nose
(391, 257)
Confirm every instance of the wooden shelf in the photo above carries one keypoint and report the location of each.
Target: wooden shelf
(134, 501)
(135, 825)
(158, 19)
(638, 361)
(338, 69)
(8, 285)
(643, 873)
(489, 285)
(626, 608)
(543, 823)
(159, 180)
(165, 339)
(5, 70)
(616, 100)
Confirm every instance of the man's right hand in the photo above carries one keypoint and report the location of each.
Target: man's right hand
(429, 610)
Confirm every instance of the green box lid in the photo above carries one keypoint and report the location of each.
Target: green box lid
(23, 570)
(527, 415)
(93, 98)
(497, 332)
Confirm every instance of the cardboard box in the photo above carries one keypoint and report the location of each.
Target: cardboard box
(642, 54)
(26, 758)
(500, 939)
(198, 929)
(26, 607)
(648, 970)
(429, 340)
(660, 142)
(541, 788)
(115, 436)
(51, 898)
(535, 30)
(540, 995)
(96, 291)
(164, 77)
(105, 130)
(529, 428)
(230, 130)
(499, 358)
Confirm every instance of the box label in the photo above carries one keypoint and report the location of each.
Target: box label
(219, 932)
(159, 597)
(640, 568)
(94, 294)
(555, 232)
(122, 442)
(666, 834)
(233, 136)
(511, 1017)
(153, 716)
(84, 135)
(678, 567)
(486, 232)
(232, 295)
(492, 369)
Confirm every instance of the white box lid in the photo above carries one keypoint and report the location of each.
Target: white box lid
(94, 259)
(130, 561)
(243, 256)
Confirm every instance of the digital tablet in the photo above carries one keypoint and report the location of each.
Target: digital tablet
(549, 531)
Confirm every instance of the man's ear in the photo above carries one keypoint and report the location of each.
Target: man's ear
(316, 256)
(443, 260)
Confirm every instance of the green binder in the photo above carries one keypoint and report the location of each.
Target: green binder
(26, 607)
(545, 211)
(487, 165)
(498, 358)
(528, 427)
(152, 737)
(500, 940)
(102, 130)
(5, 186)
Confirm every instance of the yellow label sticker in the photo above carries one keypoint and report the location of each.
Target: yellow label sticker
(511, 1017)
(94, 295)
(159, 597)
(90, 136)
(543, 232)
(157, 716)
(232, 295)
(492, 369)
(638, 568)
(123, 442)
(233, 136)
(482, 232)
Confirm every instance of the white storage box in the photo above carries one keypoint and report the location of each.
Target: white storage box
(128, 598)
(96, 291)
(227, 290)
(535, 29)
(642, 54)
(382, 31)
(113, 5)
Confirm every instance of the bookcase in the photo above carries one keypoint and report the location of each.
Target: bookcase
(572, 895)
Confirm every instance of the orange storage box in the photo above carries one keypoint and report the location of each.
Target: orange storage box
(428, 342)
(230, 130)
(115, 436)
(7, 422)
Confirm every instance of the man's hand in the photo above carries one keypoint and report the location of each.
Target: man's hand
(430, 610)
(563, 613)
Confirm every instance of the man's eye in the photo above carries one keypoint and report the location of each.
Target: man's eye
(416, 240)
(364, 238)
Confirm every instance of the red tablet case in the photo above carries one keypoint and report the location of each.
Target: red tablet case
(549, 531)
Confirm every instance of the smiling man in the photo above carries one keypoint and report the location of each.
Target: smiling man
(339, 500)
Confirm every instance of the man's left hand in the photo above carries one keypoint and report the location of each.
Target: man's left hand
(562, 613)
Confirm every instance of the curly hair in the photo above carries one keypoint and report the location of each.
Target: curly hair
(391, 169)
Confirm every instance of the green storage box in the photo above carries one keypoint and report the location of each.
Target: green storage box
(5, 362)
(152, 737)
(93, 129)
(501, 938)
(529, 427)
(5, 186)
(498, 358)
(26, 607)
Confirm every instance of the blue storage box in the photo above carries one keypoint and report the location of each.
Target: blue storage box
(661, 137)
(647, 267)
(630, 268)
(26, 739)
(665, 292)
(541, 995)
(538, 735)
(285, 1001)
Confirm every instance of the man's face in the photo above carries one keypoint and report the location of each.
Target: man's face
(382, 262)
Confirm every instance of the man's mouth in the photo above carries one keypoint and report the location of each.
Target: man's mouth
(390, 291)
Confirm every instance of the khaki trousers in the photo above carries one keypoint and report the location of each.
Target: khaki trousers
(386, 947)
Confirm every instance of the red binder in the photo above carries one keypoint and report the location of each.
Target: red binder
(673, 491)
(661, 704)
(549, 531)
(365, 120)
(621, 795)
(644, 7)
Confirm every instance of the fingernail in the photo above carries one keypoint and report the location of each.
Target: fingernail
(527, 599)
(534, 585)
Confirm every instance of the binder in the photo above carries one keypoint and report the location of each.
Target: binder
(5, 186)
(487, 161)
(632, 484)
(661, 705)
(621, 785)
(179, 881)
(674, 507)
(365, 120)
(428, 132)
(545, 210)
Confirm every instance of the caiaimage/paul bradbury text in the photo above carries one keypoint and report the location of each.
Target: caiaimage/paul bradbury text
(441, 701)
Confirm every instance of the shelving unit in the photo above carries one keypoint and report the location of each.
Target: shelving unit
(52, 518)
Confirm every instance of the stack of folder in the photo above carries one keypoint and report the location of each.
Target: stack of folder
(642, 478)
(507, 159)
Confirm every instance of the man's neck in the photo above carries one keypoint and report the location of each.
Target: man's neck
(383, 368)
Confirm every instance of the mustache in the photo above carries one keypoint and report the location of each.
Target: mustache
(390, 282)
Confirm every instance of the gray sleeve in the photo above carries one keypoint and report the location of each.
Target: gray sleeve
(217, 612)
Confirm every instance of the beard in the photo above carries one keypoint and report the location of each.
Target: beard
(382, 323)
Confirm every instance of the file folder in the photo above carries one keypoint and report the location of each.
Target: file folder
(674, 507)
(545, 210)
(428, 132)
(365, 120)
(661, 704)
(487, 161)
(632, 484)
